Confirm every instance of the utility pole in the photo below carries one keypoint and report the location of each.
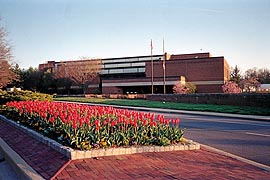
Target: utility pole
(152, 68)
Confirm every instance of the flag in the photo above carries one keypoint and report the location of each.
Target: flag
(163, 64)
(151, 45)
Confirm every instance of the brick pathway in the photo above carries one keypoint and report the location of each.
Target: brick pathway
(40, 157)
(200, 164)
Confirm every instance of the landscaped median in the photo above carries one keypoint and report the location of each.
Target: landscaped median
(81, 131)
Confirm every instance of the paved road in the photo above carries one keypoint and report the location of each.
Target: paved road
(243, 137)
(246, 138)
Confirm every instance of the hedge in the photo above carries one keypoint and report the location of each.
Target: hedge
(16, 95)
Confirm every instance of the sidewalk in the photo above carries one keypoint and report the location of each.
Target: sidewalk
(199, 164)
(6, 172)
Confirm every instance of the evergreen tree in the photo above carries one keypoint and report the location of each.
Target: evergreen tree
(235, 75)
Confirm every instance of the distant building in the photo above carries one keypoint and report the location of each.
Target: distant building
(264, 88)
(134, 74)
(13, 89)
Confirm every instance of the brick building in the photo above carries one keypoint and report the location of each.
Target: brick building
(134, 74)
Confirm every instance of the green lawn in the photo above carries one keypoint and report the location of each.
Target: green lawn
(169, 105)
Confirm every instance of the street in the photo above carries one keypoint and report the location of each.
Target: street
(246, 138)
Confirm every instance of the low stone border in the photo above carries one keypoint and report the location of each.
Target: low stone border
(77, 154)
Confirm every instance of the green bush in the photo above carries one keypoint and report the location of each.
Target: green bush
(23, 96)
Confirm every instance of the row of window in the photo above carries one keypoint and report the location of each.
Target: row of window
(135, 59)
(107, 66)
(124, 70)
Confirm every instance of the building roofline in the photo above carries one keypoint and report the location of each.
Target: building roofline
(130, 57)
(144, 56)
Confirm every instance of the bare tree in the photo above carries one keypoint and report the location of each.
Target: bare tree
(81, 72)
(250, 85)
(7, 75)
(264, 76)
(251, 73)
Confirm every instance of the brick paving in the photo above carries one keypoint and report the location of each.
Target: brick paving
(199, 164)
(39, 156)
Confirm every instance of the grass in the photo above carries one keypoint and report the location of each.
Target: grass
(248, 110)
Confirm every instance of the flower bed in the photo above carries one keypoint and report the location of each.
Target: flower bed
(91, 127)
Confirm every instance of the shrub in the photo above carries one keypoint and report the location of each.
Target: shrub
(23, 96)
(188, 88)
(231, 87)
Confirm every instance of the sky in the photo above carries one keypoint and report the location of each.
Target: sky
(59, 30)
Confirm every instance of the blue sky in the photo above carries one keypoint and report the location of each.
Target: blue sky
(42, 30)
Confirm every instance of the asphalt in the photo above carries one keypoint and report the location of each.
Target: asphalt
(32, 159)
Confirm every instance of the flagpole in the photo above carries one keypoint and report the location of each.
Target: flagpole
(164, 69)
(152, 68)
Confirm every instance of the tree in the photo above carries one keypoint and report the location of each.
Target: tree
(264, 76)
(63, 85)
(253, 78)
(35, 80)
(46, 83)
(231, 87)
(80, 72)
(6, 72)
(180, 88)
(251, 73)
(30, 78)
(235, 74)
(250, 85)
(16, 82)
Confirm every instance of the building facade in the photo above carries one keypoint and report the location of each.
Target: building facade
(157, 73)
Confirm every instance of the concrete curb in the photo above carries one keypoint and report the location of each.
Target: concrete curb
(253, 163)
(76, 154)
(22, 169)
(159, 110)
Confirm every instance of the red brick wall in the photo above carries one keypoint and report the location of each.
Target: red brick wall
(211, 69)
(112, 90)
(209, 88)
(204, 69)
(96, 80)
(190, 56)
(256, 100)
(50, 64)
